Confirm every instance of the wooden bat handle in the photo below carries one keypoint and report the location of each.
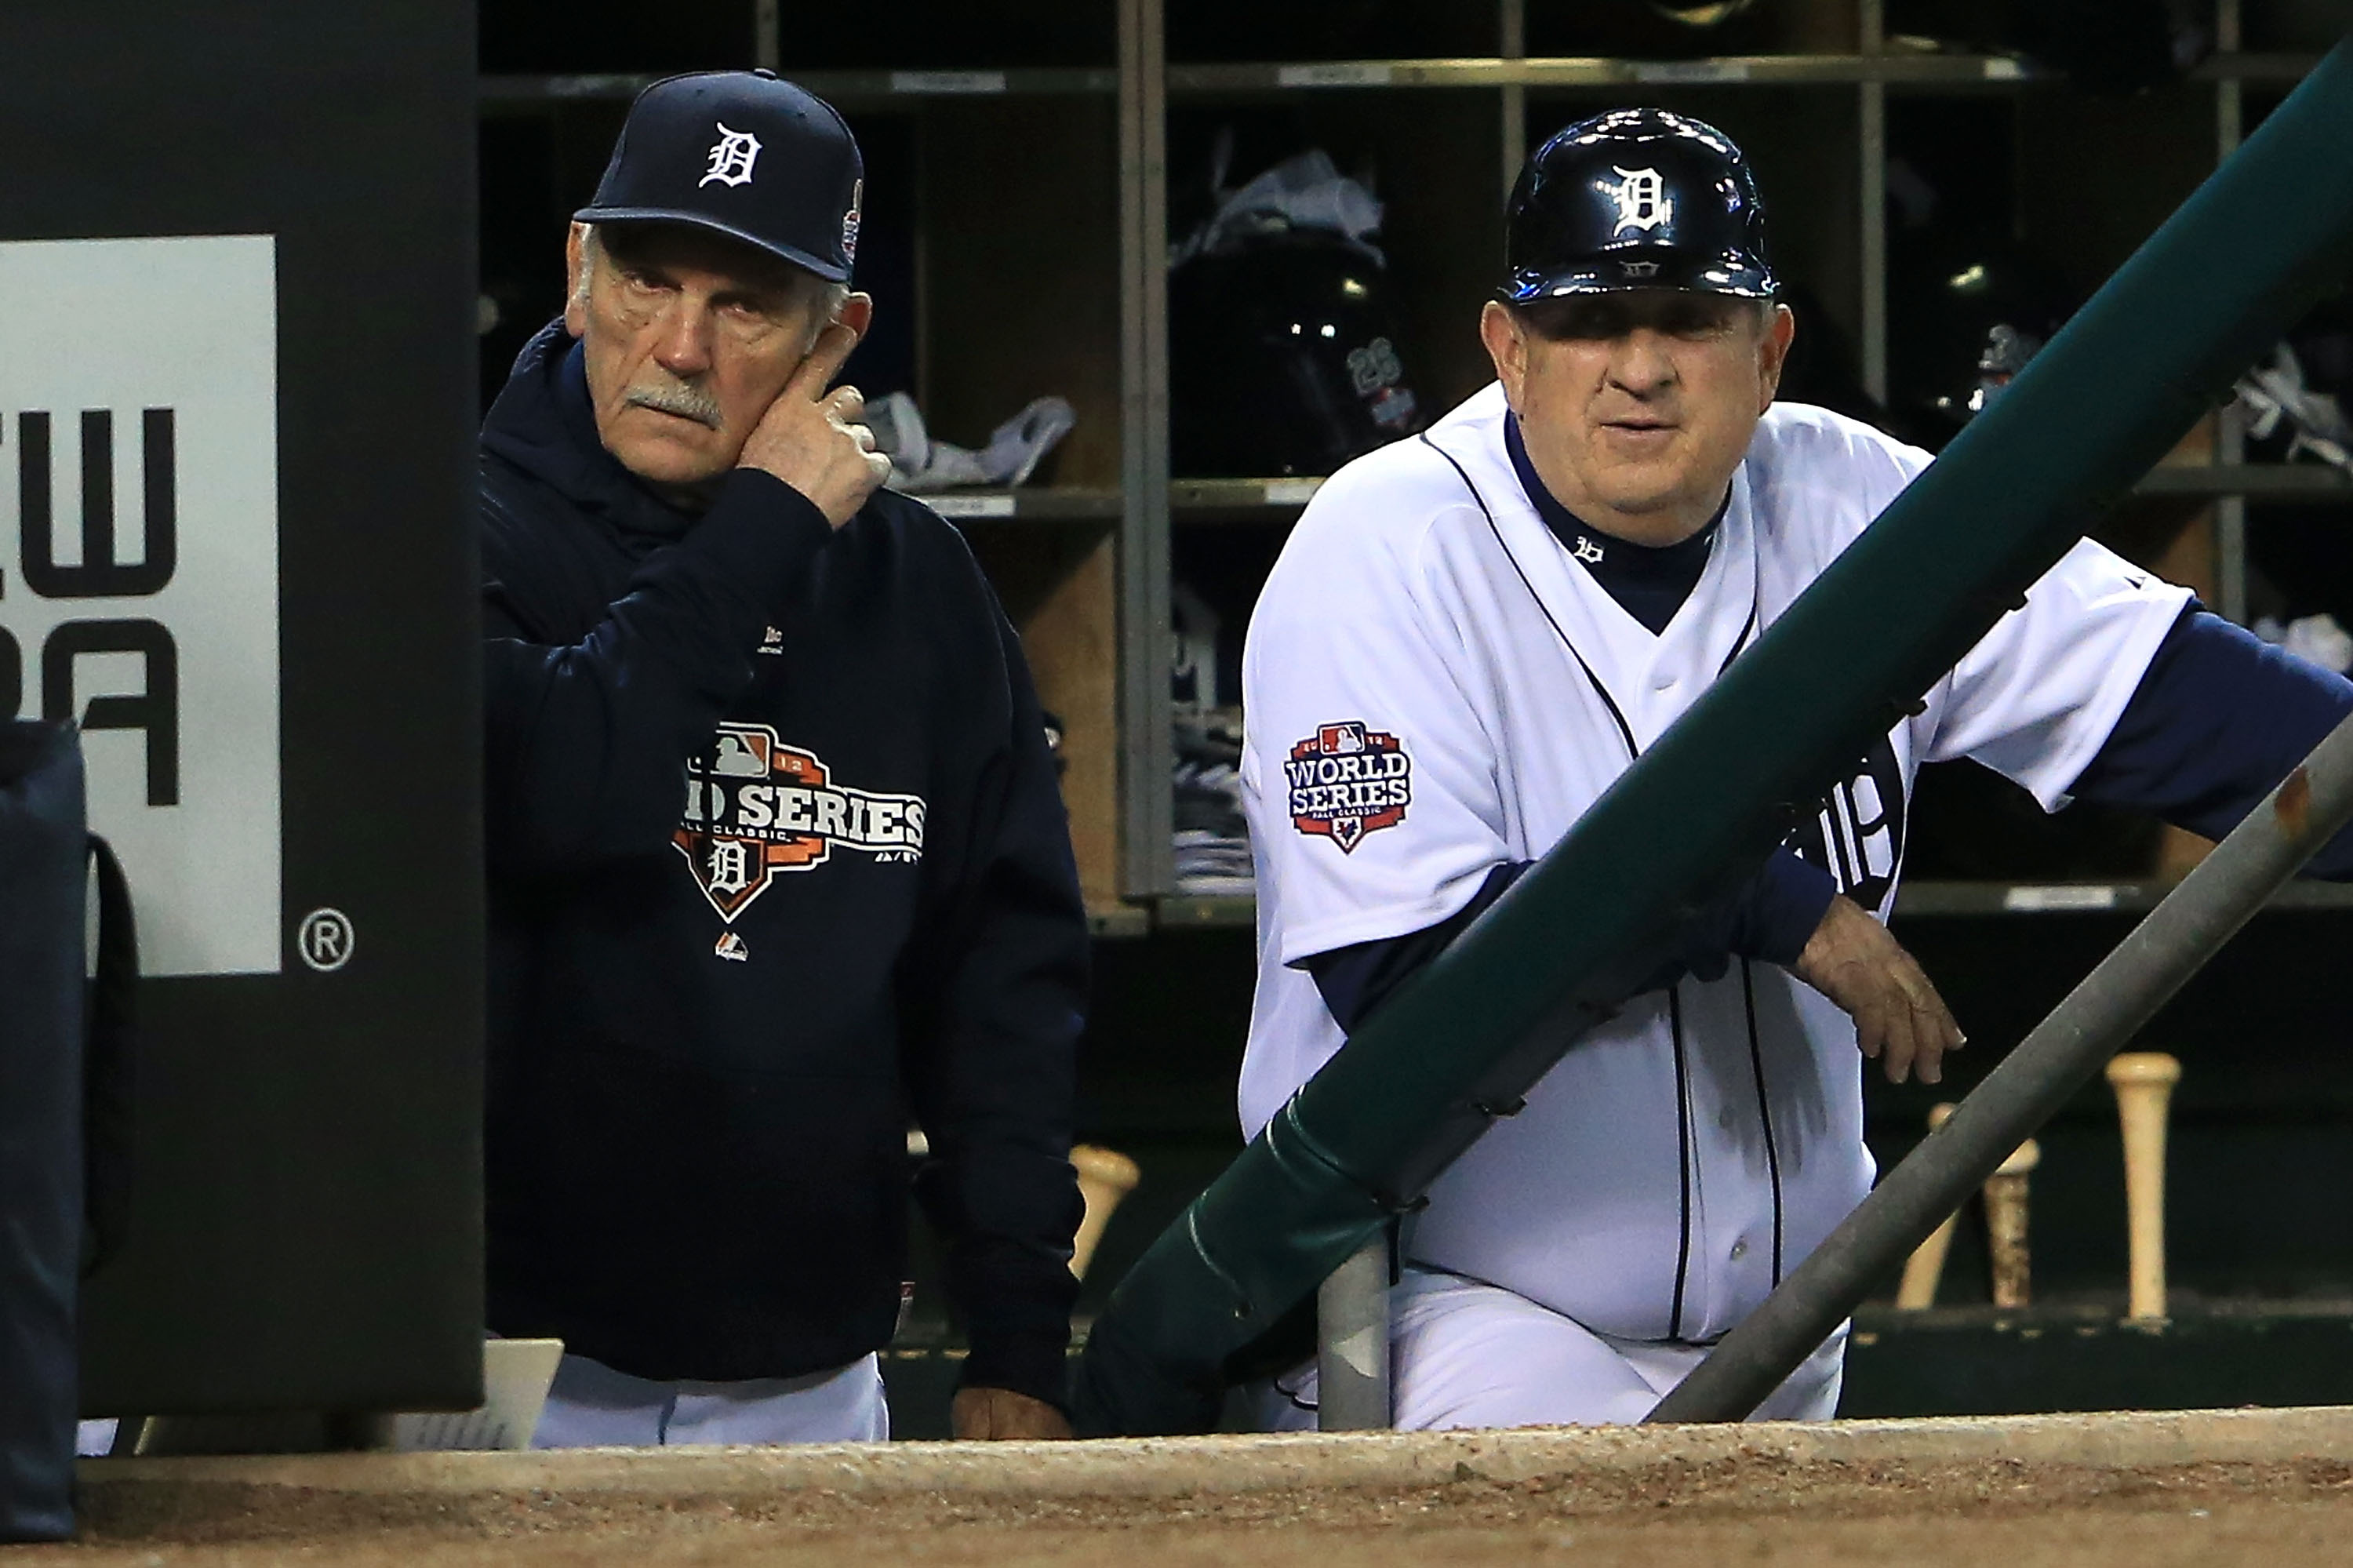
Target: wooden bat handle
(1926, 1266)
(2143, 1083)
(2005, 1200)
(1104, 1178)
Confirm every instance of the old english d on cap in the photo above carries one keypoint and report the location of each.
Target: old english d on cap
(742, 154)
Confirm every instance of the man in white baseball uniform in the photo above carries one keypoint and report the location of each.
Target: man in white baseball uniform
(1470, 634)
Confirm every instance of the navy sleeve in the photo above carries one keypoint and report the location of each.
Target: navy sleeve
(1768, 918)
(2217, 721)
(1357, 978)
(993, 996)
(1775, 915)
(586, 742)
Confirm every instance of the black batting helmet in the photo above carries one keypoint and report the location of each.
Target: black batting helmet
(1284, 357)
(1637, 198)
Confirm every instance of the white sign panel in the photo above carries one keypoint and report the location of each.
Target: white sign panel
(139, 565)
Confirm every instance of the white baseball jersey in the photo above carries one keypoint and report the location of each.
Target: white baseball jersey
(1434, 685)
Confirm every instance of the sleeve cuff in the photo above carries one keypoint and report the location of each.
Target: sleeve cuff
(1036, 1363)
(1786, 903)
(760, 534)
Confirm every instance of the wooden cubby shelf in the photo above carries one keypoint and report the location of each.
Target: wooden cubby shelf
(847, 88)
(1894, 70)
(867, 88)
(1057, 504)
(2271, 483)
(1913, 900)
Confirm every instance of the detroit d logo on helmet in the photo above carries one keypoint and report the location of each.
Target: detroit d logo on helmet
(757, 808)
(1346, 780)
(1642, 197)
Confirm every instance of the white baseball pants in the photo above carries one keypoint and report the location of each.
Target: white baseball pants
(593, 1406)
(1463, 1353)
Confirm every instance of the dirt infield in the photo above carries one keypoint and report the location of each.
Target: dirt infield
(2268, 1488)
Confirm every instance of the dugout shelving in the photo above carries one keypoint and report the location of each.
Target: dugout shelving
(1816, 95)
(1035, 145)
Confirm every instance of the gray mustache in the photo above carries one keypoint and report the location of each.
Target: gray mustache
(685, 401)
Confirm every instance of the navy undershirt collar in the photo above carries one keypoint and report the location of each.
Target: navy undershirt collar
(1650, 583)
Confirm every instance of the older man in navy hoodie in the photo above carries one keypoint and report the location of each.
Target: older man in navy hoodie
(776, 855)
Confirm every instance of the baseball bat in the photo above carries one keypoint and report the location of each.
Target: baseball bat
(1105, 1177)
(1926, 1266)
(2143, 1083)
(2005, 1200)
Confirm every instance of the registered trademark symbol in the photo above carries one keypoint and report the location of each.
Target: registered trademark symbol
(325, 940)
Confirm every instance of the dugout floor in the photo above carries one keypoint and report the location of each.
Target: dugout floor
(2272, 1487)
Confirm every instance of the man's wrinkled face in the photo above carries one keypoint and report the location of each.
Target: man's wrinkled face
(1638, 405)
(689, 337)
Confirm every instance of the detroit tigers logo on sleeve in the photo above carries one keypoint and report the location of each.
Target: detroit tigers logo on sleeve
(1348, 779)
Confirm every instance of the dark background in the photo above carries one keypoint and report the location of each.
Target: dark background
(308, 1204)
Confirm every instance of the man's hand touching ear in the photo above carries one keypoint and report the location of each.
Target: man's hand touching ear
(815, 440)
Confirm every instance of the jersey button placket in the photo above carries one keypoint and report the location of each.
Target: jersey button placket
(1664, 703)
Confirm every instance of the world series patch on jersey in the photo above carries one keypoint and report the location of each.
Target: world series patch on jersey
(1346, 780)
(1436, 686)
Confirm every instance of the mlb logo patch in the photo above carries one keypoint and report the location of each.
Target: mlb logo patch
(1346, 780)
(1341, 739)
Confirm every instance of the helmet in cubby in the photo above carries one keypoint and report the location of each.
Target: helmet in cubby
(1700, 13)
(1284, 357)
(1964, 317)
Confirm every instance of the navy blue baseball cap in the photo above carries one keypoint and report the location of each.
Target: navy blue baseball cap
(1637, 198)
(743, 153)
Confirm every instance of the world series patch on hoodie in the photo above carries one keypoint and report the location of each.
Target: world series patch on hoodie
(757, 808)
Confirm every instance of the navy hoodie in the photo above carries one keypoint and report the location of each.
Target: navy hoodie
(778, 862)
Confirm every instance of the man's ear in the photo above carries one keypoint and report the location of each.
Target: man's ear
(1773, 353)
(1507, 345)
(857, 314)
(575, 280)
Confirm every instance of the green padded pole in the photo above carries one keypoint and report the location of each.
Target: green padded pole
(2154, 350)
